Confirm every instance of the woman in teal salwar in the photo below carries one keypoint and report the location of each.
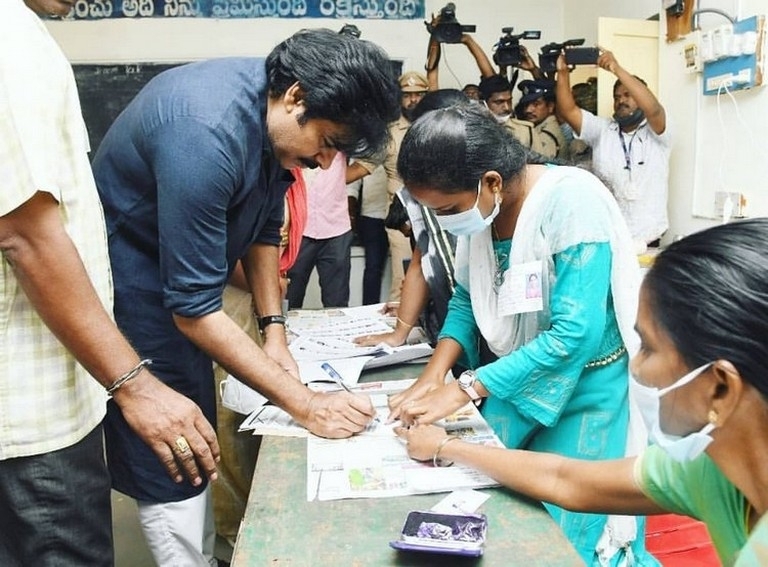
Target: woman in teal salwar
(557, 379)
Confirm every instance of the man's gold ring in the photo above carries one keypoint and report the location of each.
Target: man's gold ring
(182, 445)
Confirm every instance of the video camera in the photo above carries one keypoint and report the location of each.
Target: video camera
(507, 51)
(448, 29)
(573, 55)
(351, 30)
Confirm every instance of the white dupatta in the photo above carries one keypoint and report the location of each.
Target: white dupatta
(565, 207)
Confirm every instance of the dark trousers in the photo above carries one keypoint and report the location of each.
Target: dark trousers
(55, 508)
(332, 258)
(373, 237)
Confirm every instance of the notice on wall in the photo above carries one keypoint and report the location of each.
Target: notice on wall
(340, 9)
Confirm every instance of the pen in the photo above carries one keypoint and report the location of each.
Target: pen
(331, 371)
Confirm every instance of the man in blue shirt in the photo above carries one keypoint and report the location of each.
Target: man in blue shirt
(192, 177)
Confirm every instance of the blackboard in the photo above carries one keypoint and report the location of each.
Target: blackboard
(105, 90)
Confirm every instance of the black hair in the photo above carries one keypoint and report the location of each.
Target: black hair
(343, 79)
(709, 293)
(441, 98)
(493, 84)
(451, 148)
(617, 82)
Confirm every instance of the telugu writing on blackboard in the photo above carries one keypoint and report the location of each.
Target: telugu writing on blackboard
(342, 9)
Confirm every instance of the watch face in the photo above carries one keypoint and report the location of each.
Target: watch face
(466, 379)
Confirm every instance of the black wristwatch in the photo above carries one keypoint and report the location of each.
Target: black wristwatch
(264, 322)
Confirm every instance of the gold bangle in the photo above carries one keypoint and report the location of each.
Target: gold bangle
(436, 461)
(399, 320)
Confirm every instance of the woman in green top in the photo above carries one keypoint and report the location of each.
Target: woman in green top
(702, 386)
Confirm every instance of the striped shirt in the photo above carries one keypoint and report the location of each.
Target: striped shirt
(47, 400)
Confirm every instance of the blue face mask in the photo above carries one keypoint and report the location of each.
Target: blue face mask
(648, 400)
(471, 220)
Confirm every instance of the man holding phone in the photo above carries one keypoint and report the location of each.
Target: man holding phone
(630, 151)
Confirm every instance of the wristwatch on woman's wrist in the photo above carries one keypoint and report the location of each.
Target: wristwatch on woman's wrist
(466, 382)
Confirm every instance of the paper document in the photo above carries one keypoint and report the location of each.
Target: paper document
(328, 334)
(375, 463)
(271, 420)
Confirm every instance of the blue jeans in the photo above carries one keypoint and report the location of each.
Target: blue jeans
(55, 508)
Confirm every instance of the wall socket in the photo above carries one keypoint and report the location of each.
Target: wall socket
(738, 204)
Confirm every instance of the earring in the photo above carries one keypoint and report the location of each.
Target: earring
(712, 417)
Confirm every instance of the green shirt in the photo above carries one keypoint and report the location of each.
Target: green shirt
(700, 490)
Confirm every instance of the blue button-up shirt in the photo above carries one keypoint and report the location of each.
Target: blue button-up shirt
(188, 182)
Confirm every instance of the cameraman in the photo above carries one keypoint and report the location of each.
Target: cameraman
(496, 93)
(630, 150)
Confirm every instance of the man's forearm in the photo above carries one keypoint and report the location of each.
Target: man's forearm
(261, 266)
(231, 347)
(53, 277)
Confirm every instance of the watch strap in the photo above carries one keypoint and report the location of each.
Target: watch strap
(467, 383)
(267, 320)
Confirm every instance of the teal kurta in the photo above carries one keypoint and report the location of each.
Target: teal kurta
(542, 397)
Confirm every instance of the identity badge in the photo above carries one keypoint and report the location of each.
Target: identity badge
(521, 291)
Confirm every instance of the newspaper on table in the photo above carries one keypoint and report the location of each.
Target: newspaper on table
(271, 420)
(321, 342)
(375, 463)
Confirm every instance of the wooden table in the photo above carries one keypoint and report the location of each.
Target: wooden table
(281, 528)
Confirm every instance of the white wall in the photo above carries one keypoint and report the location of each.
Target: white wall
(580, 16)
(183, 39)
(709, 156)
(704, 152)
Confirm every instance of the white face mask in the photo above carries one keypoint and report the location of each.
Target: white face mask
(471, 220)
(648, 399)
(502, 118)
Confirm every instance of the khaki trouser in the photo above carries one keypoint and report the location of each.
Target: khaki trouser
(238, 450)
(399, 250)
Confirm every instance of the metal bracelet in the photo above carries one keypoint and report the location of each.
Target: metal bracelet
(132, 373)
(436, 462)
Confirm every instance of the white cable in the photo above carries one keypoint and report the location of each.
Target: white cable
(445, 59)
(724, 133)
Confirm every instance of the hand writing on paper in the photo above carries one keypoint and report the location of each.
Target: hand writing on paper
(338, 415)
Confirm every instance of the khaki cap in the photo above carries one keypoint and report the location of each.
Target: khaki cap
(413, 82)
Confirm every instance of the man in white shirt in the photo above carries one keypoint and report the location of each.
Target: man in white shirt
(630, 151)
(60, 347)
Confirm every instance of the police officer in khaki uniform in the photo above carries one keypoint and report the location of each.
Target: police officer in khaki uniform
(537, 106)
(413, 87)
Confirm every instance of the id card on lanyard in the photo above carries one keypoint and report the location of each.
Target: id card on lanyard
(521, 291)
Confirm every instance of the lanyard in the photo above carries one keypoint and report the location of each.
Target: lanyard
(628, 150)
